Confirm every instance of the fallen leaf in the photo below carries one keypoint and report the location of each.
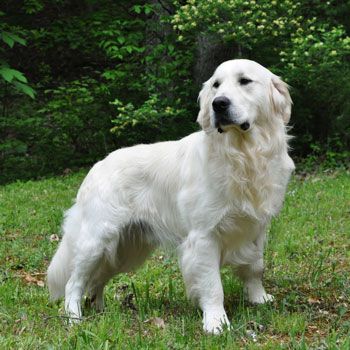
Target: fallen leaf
(41, 283)
(313, 301)
(30, 279)
(67, 171)
(156, 321)
(251, 334)
(129, 302)
(324, 312)
(54, 238)
(256, 326)
(19, 331)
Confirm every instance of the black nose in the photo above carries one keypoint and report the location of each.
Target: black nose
(245, 126)
(221, 103)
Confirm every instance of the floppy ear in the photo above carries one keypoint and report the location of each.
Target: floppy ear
(280, 98)
(203, 118)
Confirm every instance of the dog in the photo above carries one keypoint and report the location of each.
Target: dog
(210, 196)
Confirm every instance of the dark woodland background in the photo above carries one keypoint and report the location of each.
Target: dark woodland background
(79, 79)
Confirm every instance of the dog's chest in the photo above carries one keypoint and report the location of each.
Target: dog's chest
(256, 193)
(235, 229)
(248, 214)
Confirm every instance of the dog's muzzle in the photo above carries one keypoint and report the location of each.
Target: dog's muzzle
(221, 106)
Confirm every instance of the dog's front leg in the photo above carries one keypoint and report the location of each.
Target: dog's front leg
(252, 274)
(200, 257)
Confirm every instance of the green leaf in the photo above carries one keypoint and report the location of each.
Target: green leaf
(137, 9)
(25, 89)
(148, 9)
(171, 48)
(9, 74)
(19, 76)
(10, 39)
(6, 73)
(7, 39)
(18, 39)
(121, 40)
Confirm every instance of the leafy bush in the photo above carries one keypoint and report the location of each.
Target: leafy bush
(150, 122)
(136, 67)
(66, 128)
(318, 67)
(306, 43)
(9, 75)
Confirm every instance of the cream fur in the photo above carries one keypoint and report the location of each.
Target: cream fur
(209, 195)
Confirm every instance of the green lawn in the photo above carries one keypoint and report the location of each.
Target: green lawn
(307, 260)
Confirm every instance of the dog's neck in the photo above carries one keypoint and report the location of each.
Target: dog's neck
(248, 159)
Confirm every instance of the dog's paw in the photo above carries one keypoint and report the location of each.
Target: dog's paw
(73, 320)
(73, 312)
(215, 323)
(262, 298)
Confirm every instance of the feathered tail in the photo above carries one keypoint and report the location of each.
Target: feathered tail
(59, 270)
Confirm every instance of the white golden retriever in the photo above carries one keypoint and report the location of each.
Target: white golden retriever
(210, 195)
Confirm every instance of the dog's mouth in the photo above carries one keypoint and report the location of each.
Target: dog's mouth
(225, 120)
(243, 126)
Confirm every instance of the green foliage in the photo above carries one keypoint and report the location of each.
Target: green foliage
(8, 74)
(132, 67)
(245, 22)
(150, 122)
(329, 155)
(17, 79)
(33, 6)
(318, 66)
(10, 39)
(308, 47)
(67, 129)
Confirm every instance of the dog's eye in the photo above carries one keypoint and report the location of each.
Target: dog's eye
(245, 81)
(216, 85)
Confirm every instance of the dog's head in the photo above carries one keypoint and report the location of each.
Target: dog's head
(240, 94)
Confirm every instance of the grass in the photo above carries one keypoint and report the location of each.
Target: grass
(307, 259)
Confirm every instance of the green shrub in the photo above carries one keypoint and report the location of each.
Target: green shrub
(308, 45)
(150, 122)
(136, 68)
(67, 128)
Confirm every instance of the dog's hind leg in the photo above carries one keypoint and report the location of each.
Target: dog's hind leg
(97, 283)
(88, 255)
(96, 262)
